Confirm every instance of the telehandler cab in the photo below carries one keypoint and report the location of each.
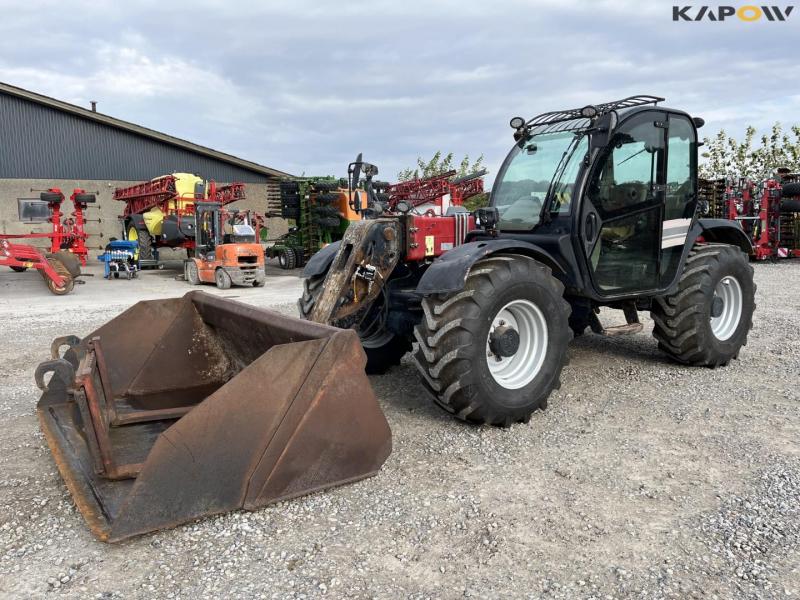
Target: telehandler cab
(592, 207)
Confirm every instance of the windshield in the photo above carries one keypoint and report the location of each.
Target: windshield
(524, 179)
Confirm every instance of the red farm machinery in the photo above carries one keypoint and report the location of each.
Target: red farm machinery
(60, 264)
(768, 211)
(434, 195)
(58, 270)
(322, 208)
(161, 213)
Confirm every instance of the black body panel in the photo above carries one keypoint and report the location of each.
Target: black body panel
(721, 231)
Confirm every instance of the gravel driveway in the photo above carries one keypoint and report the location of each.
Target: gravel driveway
(642, 479)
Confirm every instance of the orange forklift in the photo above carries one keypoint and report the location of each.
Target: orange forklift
(224, 258)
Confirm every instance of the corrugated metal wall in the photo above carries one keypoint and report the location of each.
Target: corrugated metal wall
(38, 142)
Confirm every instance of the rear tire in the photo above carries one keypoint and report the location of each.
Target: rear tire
(19, 269)
(222, 279)
(706, 321)
(299, 257)
(452, 353)
(191, 273)
(286, 259)
(384, 350)
(142, 236)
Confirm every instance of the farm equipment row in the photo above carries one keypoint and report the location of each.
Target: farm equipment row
(323, 208)
(768, 211)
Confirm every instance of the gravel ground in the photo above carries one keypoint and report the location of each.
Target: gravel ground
(642, 479)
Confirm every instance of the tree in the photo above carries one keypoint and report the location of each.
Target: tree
(438, 165)
(725, 156)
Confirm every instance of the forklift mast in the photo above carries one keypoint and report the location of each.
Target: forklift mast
(208, 225)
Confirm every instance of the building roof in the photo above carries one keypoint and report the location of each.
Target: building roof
(138, 130)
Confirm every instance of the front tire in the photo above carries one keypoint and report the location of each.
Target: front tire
(384, 349)
(222, 279)
(457, 350)
(706, 321)
(191, 272)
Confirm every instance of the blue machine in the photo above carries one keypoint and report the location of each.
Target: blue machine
(120, 259)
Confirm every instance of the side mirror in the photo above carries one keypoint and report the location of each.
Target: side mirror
(487, 218)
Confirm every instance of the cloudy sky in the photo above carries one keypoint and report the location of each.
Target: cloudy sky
(304, 85)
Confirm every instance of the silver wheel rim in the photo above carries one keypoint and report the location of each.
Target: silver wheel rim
(729, 292)
(517, 371)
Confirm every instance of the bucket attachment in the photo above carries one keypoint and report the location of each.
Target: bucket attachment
(198, 405)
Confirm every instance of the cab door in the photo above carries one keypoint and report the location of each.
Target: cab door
(623, 208)
(680, 201)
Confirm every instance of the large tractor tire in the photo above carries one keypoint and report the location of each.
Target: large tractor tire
(62, 270)
(383, 348)
(142, 236)
(706, 321)
(493, 352)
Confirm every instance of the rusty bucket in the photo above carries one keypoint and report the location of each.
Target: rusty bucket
(199, 405)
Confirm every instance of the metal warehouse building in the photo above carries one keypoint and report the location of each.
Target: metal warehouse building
(47, 143)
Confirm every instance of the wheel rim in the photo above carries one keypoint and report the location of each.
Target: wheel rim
(517, 371)
(377, 339)
(282, 258)
(729, 292)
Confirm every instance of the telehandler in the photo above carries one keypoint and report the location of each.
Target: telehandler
(593, 207)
